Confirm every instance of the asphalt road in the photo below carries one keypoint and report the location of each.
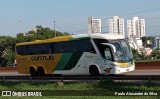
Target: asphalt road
(136, 72)
(144, 72)
(10, 74)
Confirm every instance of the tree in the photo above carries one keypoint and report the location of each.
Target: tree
(7, 43)
(144, 40)
(3, 60)
(156, 54)
(136, 54)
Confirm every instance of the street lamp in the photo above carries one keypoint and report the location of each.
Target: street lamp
(54, 29)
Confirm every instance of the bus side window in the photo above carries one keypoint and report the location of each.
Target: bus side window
(52, 48)
(56, 47)
(26, 50)
(64, 47)
(90, 47)
(36, 49)
(86, 46)
(70, 46)
(19, 50)
(75, 46)
(107, 53)
(45, 48)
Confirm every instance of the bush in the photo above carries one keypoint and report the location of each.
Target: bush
(136, 55)
(10, 57)
(156, 54)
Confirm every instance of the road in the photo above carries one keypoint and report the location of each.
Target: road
(12, 73)
(136, 72)
(144, 72)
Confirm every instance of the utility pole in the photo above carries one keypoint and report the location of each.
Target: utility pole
(54, 29)
(90, 25)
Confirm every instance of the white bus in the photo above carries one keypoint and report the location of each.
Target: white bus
(82, 54)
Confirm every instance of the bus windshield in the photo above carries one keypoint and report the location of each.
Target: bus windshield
(123, 52)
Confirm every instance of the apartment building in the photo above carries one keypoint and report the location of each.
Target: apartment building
(136, 28)
(116, 25)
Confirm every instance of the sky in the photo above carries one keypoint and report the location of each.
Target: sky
(72, 15)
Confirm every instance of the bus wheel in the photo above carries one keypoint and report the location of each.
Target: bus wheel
(33, 72)
(41, 72)
(93, 70)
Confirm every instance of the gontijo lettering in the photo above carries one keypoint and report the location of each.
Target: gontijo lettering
(37, 58)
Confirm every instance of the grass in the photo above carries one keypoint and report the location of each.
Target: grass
(106, 86)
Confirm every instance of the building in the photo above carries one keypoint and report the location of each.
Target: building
(138, 42)
(116, 25)
(157, 42)
(89, 24)
(94, 25)
(136, 28)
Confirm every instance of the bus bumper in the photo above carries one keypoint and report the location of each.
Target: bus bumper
(118, 70)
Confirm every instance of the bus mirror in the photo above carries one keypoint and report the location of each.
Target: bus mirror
(111, 46)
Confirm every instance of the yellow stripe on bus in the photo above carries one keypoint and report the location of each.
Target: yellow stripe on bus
(46, 61)
(56, 39)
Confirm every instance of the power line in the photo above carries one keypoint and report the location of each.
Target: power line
(59, 28)
(156, 26)
(138, 12)
(144, 11)
(73, 25)
(153, 18)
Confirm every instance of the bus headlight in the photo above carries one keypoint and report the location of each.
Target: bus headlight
(108, 70)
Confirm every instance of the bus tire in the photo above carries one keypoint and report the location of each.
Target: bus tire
(33, 72)
(93, 70)
(41, 72)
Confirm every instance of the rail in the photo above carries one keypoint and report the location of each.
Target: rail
(62, 78)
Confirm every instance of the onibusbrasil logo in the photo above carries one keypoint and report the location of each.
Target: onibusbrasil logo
(21, 93)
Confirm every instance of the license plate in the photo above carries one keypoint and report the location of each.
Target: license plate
(127, 70)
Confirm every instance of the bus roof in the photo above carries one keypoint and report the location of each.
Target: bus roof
(110, 36)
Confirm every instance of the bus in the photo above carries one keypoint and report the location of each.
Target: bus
(81, 54)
